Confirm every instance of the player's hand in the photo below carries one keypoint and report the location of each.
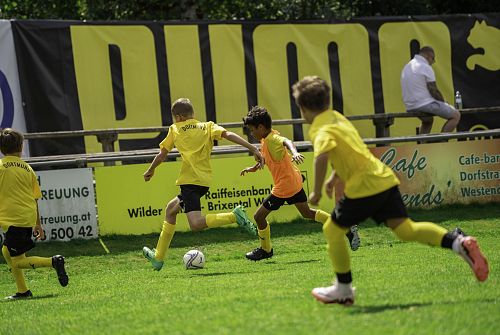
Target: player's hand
(148, 175)
(39, 233)
(247, 170)
(298, 158)
(314, 198)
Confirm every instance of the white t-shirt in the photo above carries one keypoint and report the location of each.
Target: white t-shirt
(414, 78)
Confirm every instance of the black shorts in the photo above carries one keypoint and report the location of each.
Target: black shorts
(381, 207)
(18, 240)
(190, 197)
(272, 202)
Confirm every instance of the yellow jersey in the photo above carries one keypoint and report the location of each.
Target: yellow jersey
(286, 176)
(363, 174)
(194, 140)
(19, 190)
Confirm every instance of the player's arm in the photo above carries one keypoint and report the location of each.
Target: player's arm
(296, 156)
(320, 168)
(434, 91)
(39, 233)
(250, 169)
(159, 158)
(235, 138)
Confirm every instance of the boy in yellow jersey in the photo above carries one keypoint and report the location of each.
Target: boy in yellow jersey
(371, 190)
(19, 191)
(194, 140)
(287, 181)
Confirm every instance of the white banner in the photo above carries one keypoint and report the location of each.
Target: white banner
(11, 110)
(67, 207)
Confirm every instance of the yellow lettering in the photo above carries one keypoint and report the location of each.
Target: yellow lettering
(185, 73)
(228, 66)
(95, 87)
(312, 41)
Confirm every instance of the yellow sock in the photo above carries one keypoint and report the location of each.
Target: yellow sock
(16, 273)
(321, 216)
(220, 219)
(265, 238)
(167, 232)
(423, 232)
(32, 262)
(337, 247)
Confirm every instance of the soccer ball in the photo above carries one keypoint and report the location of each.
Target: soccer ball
(194, 259)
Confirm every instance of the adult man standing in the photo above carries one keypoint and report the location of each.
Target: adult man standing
(420, 93)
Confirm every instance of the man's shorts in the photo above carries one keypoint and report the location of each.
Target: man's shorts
(18, 240)
(381, 207)
(190, 197)
(272, 202)
(438, 108)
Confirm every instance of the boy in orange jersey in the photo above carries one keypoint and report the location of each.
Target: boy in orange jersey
(287, 181)
(194, 140)
(19, 191)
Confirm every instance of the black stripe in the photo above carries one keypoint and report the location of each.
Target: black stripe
(115, 62)
(206, 66)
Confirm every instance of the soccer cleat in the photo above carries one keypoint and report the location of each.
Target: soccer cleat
(243, 221)
(19, 296)
(58, 264)
(150, 255)
(457, 231)
(353, 236)
(333, 295)
(259, 254)
(469, 250)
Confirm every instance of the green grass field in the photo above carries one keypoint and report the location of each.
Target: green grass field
(402, 288)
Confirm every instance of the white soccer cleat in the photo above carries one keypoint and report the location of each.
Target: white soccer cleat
(333, 295)
(468, 249)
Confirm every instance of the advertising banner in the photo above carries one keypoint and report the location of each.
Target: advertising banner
(129, 205)
(11, 110)
(446, 173)
(94, 75)
(67, 207)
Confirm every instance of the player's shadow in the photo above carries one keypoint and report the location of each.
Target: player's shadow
(383, 308)
(357, 309)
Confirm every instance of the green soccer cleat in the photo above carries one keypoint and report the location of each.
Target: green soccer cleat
(150, 255)
(243, 221)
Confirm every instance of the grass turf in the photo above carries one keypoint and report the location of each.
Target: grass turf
(402, 288)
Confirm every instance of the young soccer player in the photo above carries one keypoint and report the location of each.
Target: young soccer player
(19, 191)
(287, 181)
(371, 190)
(194, 140)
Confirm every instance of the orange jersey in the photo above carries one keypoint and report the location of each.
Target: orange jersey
(286, 176)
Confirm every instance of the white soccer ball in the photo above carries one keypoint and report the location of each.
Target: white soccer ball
(194, 259)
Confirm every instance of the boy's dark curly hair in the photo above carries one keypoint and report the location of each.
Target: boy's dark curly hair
(258, 115)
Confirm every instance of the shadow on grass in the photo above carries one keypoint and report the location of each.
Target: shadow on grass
(388, 307)
(118, 244)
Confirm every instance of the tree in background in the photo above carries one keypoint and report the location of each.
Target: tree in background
(149, 10)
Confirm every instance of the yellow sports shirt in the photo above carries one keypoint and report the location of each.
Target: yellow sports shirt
(194, 140)
(19, 190)
(363, 174)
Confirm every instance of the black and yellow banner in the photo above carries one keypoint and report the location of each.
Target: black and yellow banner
(94, 75)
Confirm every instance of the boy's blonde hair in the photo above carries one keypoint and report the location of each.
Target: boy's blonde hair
(11, 141)
(182, 107)
(313, 93)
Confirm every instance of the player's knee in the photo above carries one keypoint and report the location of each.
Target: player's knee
(196, 224)
(333, 230)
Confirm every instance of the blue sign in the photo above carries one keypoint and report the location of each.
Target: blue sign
(7, 119)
